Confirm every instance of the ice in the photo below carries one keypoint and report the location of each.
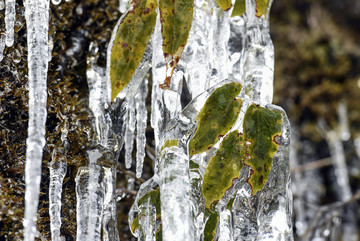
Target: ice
(56, 2)
(225, 233)
(141, 121)
(9, 21)
(176, 213)
(130, 120)
(99, 104)
(2, 46)
(57, 174)
(2, 4)
(258, 58)
(37, 19)
(90, 195)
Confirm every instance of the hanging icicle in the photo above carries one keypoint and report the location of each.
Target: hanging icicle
(9, 21)
(37, 19)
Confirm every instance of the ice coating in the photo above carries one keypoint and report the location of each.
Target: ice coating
(257, 64)
(176, 213)
(37, 19)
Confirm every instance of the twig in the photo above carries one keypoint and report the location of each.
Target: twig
(130, 174)
(313, 165)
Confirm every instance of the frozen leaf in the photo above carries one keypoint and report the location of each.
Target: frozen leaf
(210, 227)
(153, 197)
(130, 43)
(224, 4)
(262, 7)
(170, 143)
(216, 118)
(239, 8)
(262, 130)
(176, 18)
(223, 168)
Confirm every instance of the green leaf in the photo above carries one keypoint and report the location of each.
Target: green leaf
(262, 7)
(176, 18)
(210, 227)
(216, 118)
(154, 198)
(239, 8)
(223, 168)
(135, 224)
(131, 39)
(225, 5)
(262, 129)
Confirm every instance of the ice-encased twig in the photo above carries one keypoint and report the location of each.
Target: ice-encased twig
(9, 21)
(176, 212)
(37, 19)
(141, 124)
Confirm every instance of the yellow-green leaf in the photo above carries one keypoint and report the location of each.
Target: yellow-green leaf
(170, 143)
(262, 7)
(223, 168)
(239, 8)
(262, 131)
(225, 5)
(176, 18)
(153, 197)
(210, 227)
(131, 39)
(216, 118)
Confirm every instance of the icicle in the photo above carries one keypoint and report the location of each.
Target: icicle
(129, 132)
(9, 21)
(258, 57)
(225, 227)
(2, 45)
(89, 199)
(57, 174)
(109, 217)
(176, 214)
(2, 5)
(56, 2)
(37, 19)
(141, 121)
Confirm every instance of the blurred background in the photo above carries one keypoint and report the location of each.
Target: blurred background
(317, 82)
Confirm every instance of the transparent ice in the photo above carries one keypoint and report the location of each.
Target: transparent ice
(37, 19)
(9, 21)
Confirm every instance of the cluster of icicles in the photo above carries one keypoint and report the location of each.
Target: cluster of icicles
(220, 47)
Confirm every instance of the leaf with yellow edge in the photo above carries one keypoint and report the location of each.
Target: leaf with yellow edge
(239, 8)
(131, 40)
(216, 118)
(262, 7)
(176, 18)
(225, 5)
(262, 129)
(223, 168)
